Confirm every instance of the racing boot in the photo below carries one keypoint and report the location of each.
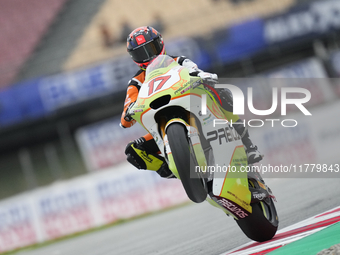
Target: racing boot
(165, 172)
(139, 155)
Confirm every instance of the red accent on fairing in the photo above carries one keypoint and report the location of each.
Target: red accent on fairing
(215, 92)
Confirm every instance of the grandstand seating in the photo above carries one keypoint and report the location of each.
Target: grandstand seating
(23, 24)
(181, 18)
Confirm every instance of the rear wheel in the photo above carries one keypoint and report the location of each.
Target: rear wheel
(257, 226)
(261, 225)
(185, 160)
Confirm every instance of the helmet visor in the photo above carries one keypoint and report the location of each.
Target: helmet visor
(144, 53)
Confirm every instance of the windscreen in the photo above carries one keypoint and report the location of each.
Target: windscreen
(160, 61)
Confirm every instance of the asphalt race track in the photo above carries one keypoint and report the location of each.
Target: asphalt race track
(198, 228)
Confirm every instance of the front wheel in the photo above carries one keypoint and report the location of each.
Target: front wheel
(185, 162)
(261, 225)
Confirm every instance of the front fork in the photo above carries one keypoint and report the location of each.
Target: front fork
(194, 143)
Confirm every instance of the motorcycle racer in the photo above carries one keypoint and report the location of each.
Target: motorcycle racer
(144, 44)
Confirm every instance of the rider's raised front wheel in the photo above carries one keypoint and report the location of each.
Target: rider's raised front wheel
(185, 161)
(261, 225)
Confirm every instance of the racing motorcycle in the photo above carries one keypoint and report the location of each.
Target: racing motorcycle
(209, 159)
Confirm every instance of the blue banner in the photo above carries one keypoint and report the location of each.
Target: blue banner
(303, 22)
(240, 41)
(38, 97)
(20, 102)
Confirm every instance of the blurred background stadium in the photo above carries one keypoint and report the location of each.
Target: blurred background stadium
(64, 70)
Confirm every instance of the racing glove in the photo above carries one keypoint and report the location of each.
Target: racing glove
(127, 120)
(209, 77)
(191, 66)
(195, 71)
(128, 115)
